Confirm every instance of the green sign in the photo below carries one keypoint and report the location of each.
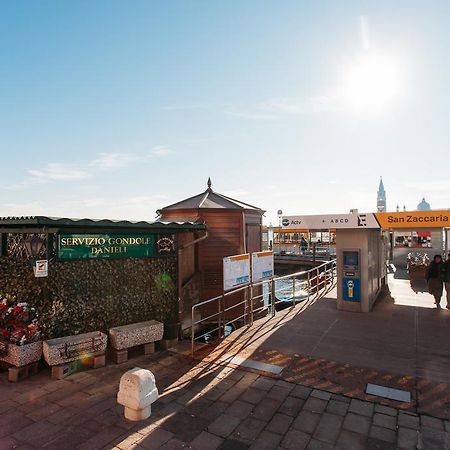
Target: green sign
(95, 246)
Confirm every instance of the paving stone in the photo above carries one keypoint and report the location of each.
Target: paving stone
(266, 441)
(266, 409)
(12, 421)
(206, 441)
(337, 407)
(434, 439)
(382, 420)
(263, 383)
(314, 404)
(408, 421)
(319, 445)
(295, 440)
(38, 433)
(341, 398)
(321, 394)
(233, 444)
(306, 421)
(356, 423)
(348, 440)
(383, 434)
(232, 394)
(431, 422)
(378, 444)
(406, 438)
(253, 396)
(301, 391)
(156, 439)
(173, 444)
(291, 406)
(279, 392)
(362, 408)
(382, 409)
(224, 425)
(184, 426)
(101, 438)
(279, 424)
(239, 409)
(447, 426)
(328, 428)
(249, 430)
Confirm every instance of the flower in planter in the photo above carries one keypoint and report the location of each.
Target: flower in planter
(18, 322)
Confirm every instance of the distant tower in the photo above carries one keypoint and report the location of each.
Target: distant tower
(381, 197)
(423, 205)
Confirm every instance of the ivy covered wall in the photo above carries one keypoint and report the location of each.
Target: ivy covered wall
(88, 295)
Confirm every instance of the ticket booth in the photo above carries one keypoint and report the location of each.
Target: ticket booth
(361, 268)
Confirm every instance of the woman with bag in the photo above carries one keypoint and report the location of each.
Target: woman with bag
(435, 279)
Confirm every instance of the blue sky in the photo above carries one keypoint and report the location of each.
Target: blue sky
(114, 109)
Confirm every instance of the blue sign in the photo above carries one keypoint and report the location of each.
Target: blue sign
(351, 289)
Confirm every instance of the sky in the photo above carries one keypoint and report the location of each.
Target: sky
(113, 109)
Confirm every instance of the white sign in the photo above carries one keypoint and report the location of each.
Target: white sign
(262, 266)
(236, 271)
(41, 268)
(330, 221)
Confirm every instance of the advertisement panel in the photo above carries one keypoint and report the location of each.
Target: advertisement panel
(236, 271)
(330, 221)
(262, 266)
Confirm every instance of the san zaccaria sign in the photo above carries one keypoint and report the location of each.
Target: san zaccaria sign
(94, 246)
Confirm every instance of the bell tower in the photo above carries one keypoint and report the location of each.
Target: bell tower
(381, 197)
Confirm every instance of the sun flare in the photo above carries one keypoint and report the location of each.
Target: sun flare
(372, 83)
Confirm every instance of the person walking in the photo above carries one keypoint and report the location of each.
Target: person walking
(447, 279)
(434, 276)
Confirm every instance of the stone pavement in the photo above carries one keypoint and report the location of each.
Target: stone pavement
(202, 405)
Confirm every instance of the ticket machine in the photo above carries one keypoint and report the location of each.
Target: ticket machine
(351, 280)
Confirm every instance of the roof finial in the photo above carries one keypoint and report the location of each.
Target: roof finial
(209, 183)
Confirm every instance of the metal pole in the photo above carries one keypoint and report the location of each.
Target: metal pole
(251, 304)
(317, 281)
(221, 318)
(272, 299)
(309, 285)
(293, 291)
(192, 332)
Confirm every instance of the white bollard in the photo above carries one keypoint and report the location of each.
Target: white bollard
(137, 391)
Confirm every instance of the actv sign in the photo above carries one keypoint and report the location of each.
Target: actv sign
(330, 221)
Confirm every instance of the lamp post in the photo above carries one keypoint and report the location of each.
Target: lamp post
(33, 246)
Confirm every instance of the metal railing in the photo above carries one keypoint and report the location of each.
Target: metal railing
(288, 290)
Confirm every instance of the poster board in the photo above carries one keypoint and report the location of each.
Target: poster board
(236, 271)
(262, 266)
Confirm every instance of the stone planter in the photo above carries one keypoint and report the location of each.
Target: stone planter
(70, 348)
(135, 334)
(22, 355)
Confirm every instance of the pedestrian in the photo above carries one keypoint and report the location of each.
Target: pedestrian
(434, 276)
(447, 279)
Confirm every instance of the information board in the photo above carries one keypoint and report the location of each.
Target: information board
(262, 266)
(236, 271)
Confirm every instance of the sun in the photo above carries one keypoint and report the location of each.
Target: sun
(371, 83)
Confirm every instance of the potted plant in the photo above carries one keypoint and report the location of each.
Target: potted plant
(20, 334)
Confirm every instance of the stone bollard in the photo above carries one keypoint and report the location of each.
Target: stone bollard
(137, 391)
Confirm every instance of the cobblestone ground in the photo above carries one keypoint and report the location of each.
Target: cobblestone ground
(203, 406)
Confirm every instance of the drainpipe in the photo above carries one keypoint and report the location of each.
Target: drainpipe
(180, 284)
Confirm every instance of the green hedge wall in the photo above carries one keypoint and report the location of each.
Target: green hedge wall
(88, 295)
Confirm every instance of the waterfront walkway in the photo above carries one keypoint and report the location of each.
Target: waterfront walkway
(304, 388)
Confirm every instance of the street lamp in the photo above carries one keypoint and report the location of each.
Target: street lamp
(280, 215)
(33, 246)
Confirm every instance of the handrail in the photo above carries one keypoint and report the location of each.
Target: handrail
(327, 268)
